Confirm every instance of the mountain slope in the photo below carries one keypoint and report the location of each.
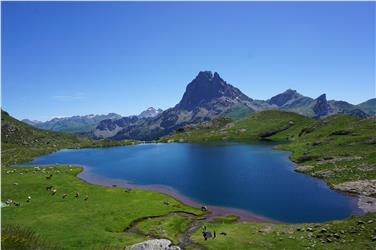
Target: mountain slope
(206, 97)
(21, 142)
(74, 124)
(368, 106)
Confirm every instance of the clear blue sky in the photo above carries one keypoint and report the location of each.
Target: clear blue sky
(63, 59)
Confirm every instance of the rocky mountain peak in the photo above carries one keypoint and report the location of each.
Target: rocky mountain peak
(322, 107)
(285, 97)
(150, 112)
(206, 87)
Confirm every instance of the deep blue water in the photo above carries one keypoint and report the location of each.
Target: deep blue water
(250, 177)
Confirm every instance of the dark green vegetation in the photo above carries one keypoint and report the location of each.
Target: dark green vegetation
(21, 142)
(16, 237)
(97, 218)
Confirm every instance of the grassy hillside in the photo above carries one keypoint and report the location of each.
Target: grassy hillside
(351, 233)
(78, 223)
(341, 148)
(266, 125)
(21, 142)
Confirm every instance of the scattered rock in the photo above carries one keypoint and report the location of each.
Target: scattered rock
(303, 169)
(367, 168)
(323, 173)
(242, 130)
(363, 187)
(156, 244)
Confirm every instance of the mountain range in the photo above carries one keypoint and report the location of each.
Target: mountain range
(86, 123)
(206, 97)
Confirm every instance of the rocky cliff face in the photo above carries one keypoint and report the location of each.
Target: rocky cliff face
(322, 107)
(207, 87)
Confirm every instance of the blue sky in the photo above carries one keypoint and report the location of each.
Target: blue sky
(64, 59)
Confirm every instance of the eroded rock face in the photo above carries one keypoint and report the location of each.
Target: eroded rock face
(363, 187)
(156, 244)
(322, 107)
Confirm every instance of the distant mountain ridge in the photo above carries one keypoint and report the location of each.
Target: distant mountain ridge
(208, 96)
(73, 124)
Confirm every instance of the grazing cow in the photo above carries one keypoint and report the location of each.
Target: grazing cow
(223, 233)
(86, 198)
(207, 235)
(77, 194)
(53, 191)
(204, 208)
(49, 187)
(49, 177)
(28, 199)
(64, 195)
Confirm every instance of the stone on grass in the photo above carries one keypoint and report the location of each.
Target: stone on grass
(156, 244)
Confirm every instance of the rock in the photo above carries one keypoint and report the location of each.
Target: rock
(323, 173)
(368, 168)
(303, 169)
(367, 204)
(322, 107)
(242, 130)
(363, 187)
(324, 230)
(156, 244)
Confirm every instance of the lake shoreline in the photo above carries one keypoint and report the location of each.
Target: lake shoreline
(88, 176)
(215, 211)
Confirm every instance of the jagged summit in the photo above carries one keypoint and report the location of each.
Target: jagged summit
(322, 107)
(206, 87)
(150, 112)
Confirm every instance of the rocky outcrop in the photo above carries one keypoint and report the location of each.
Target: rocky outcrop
(322, 107)
(156, 244)
(362, 187)
(367, 204)
(303, 169)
